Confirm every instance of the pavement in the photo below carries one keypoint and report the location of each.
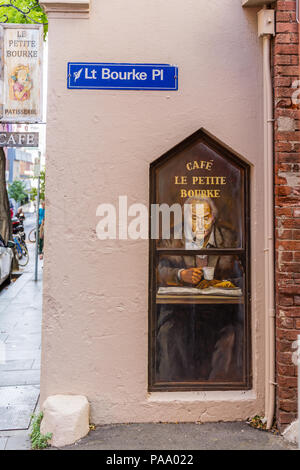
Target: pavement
(20, 343)
(180, 436)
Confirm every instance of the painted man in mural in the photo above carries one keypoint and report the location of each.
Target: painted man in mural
(200, 342)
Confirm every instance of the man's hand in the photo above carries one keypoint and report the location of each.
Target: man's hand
(191, 275)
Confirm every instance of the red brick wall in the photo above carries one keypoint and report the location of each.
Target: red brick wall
(287, 207)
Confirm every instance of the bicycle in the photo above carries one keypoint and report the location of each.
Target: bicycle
(32, 236)
(21, 251)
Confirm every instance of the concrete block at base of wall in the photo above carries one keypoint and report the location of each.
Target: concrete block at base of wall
(291, 432)
(66, 417)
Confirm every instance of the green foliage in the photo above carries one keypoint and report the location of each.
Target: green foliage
(259, 422)
(17, 191)
(14, 12)
(33, 194)
(38, 440)
(33, 191)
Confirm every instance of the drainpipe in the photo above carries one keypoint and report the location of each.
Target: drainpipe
(266, 29)
(269, 234)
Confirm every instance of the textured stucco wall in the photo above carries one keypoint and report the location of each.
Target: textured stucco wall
(99, 146)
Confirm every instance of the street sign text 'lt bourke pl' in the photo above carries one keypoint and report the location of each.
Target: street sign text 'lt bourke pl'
(105, 76)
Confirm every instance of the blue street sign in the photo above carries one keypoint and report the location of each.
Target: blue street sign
(95, 76)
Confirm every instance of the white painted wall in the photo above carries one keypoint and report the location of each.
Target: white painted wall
(99, 146)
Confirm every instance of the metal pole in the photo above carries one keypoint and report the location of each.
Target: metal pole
(37, 232)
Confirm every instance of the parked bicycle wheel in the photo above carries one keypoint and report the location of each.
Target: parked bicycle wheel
(32, 236)
(18, 248)
(25, 256)
(23, 244)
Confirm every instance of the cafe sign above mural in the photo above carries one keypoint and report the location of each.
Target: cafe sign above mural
(21, 73)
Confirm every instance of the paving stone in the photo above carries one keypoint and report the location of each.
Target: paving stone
(19, 377)
(18, 443)
(8, 323)
(27, 329)
(3, 441)
(24, 341)
(27, 297)
(32, 310)
(14, 432)
(17, 365)
(14, 308)
(24, 346)
(17, 405)
(26, 324)
(13, 290)
(36, 364)
(19, 354)
(3, 304)
(16, 417)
